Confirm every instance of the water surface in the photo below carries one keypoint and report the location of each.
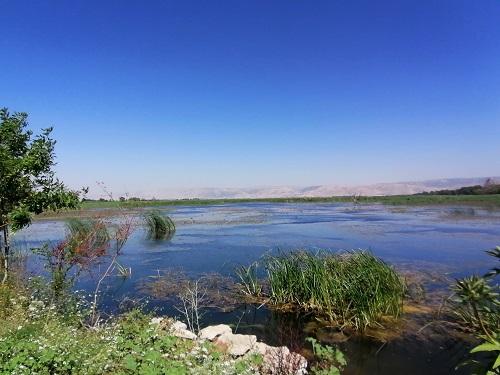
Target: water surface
(447, 241)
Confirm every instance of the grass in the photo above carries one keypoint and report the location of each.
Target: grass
(110, 208)
(36, 339)
(388, 199)
(249, 282)
(354, 289)
(159, 227)
(88, 229)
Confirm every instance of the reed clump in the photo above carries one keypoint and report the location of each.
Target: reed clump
(249, 282)
(158, 226)
(92, 231)
(353, 289)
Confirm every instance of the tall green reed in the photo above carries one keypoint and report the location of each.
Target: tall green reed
(353, 289)
(159, 227)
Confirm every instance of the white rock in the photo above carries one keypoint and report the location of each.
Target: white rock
(184, 334)
(179, 329)
(260, 348)
(178, 325)
(211, 332)
(237, 345)
(279, 360)
(156, 320)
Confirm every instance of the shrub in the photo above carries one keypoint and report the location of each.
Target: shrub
(476, 303)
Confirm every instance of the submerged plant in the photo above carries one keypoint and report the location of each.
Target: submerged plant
(159, 227)
(123, 271)
(352, 289)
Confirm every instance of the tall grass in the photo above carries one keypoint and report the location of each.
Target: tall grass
(159, 227)
(248, 279)
(90, 230)
(353, 289)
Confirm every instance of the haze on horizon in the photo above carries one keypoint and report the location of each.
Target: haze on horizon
(266, 93)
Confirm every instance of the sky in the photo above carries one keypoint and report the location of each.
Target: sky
(146, 95)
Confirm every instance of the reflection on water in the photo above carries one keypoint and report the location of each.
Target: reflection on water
(430, 245)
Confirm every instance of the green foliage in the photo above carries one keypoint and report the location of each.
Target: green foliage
(329, 360)
(249, 282)
(87, 240)
(159, 227)
(488, 200)
(491, 188)
(353, 289)
(87, 229)
(27, 182)
(36, 338)
(490, 346)
(477, 305)
(495, 271)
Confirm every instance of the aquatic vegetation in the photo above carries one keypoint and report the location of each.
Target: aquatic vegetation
(329, 360)
(92, 232)
(492, 347)
(86, 241)
(251, 285)
(353, 289)
(488, 200)
(220, 292)
(476, 304)
(123, 271)
(159, 226)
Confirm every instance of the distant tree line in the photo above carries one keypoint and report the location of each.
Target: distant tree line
(489, 187)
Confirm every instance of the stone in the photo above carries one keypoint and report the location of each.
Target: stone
(237, 345)
(157, 320)
(211, 332)
(179, 329)
(259, 348)
(178, 325)
(279, 360)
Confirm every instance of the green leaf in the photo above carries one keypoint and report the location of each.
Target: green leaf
(486, 347)
(497, 362)
(130, 362)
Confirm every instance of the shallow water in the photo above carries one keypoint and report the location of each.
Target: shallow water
(448, 241)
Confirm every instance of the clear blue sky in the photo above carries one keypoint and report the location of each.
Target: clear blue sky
(147, 94)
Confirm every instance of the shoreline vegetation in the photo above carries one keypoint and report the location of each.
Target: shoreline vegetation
(486, 200)
(49, 327)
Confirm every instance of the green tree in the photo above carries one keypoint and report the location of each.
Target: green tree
(27, 182)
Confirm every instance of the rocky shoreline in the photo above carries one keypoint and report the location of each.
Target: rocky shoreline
(275, 360)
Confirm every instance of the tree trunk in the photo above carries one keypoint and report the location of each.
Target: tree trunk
(6, 253)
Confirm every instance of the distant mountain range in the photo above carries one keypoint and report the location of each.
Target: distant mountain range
(395, 188)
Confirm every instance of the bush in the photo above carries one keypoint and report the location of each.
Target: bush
(476, 304)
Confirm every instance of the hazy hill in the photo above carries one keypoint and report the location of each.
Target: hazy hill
(396, 188)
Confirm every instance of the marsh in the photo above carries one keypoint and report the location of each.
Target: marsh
(430, 244)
